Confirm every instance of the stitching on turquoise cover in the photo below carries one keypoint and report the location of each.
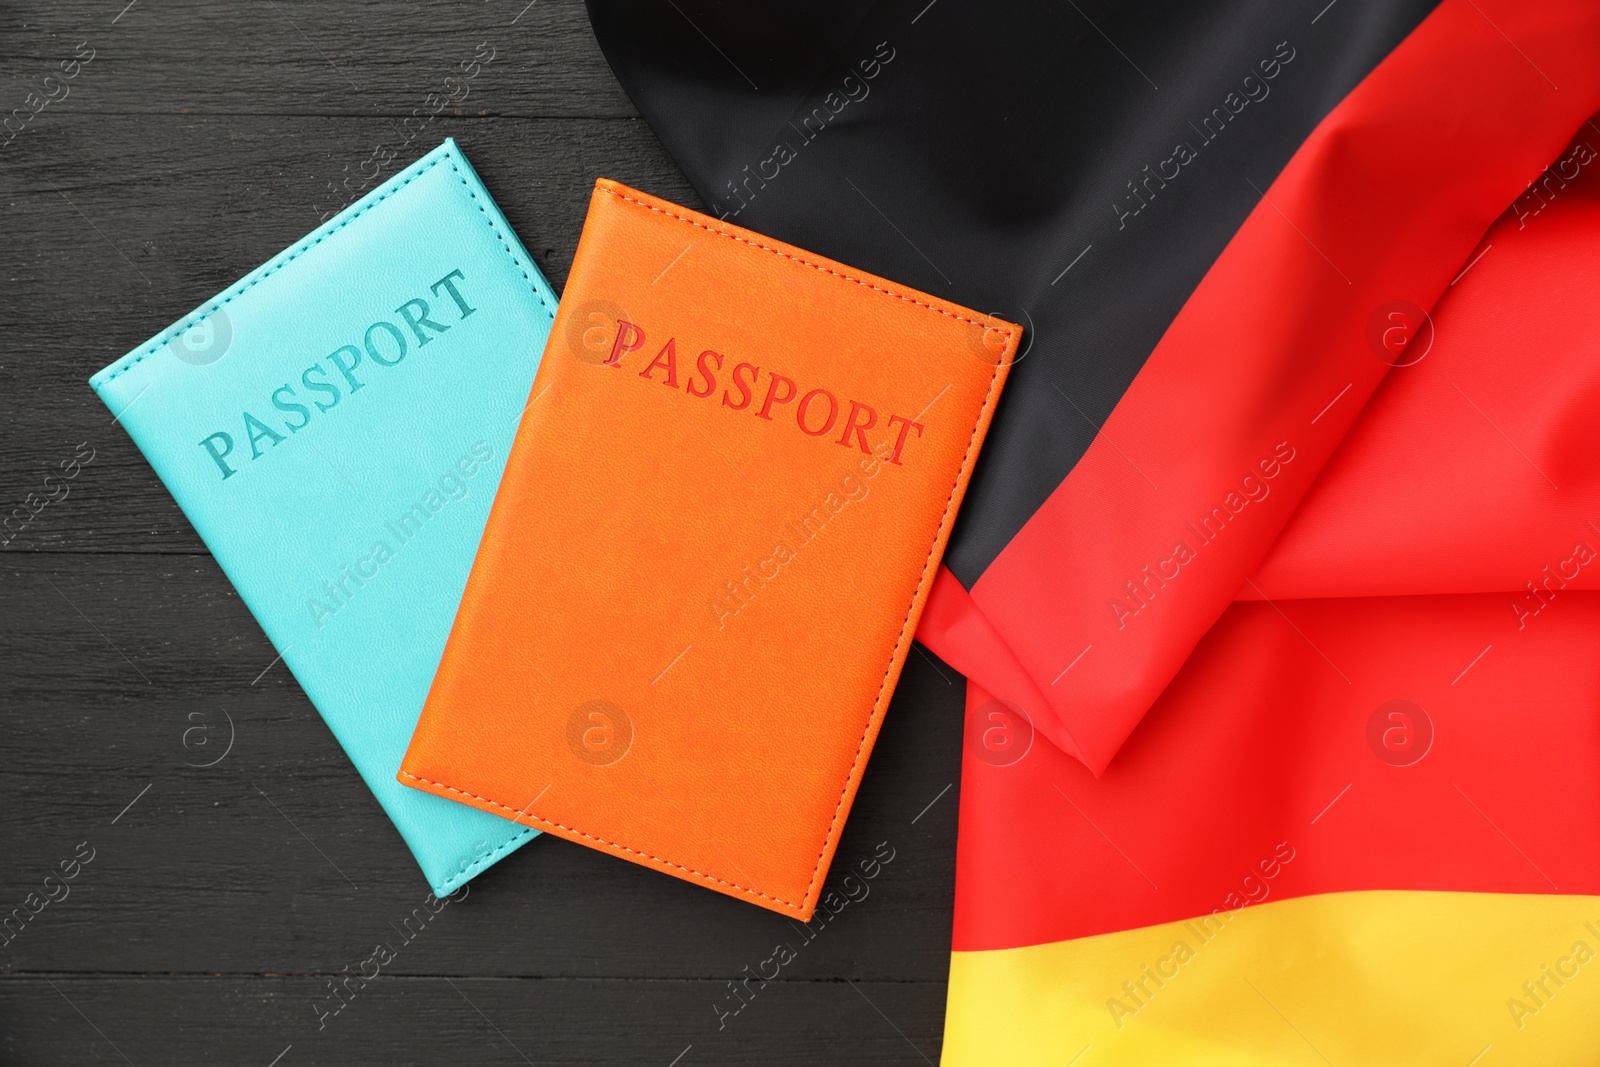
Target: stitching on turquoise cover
(486, 862)
(196, 318)
(306, 244)
(487, 221)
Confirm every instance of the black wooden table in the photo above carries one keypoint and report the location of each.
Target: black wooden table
(229, 887)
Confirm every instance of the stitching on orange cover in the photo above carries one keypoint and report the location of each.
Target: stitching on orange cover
(520, 814)
(835, 825)
(797, 259)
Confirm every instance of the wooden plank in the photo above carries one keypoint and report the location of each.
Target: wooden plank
(256, 1020)
(355, 58)
(128, 672)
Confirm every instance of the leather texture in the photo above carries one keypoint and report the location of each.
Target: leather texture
(717, 530)
(334, 427)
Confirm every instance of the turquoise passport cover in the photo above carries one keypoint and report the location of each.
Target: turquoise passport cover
(334, 427)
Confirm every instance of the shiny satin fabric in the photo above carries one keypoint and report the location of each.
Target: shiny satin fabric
(1363, 820)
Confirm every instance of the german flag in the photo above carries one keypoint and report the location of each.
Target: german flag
(1278, 583)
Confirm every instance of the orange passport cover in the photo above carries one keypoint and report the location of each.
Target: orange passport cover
(726, 503)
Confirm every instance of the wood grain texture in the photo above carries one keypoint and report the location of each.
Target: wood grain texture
(226, 1019)
(200, 140)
